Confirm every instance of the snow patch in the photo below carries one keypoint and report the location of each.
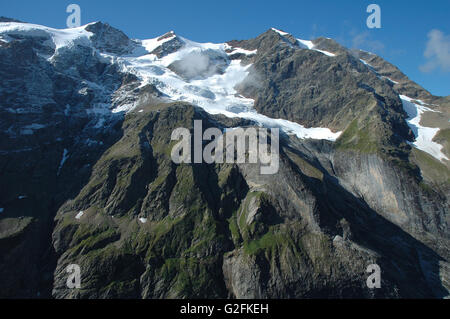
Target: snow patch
(311, 46)
(79, 215)
(290, 128)
(280, 32)
(337, 238)
(373, 70)
(325, 52)
(63, 160)
(390, 80)
(143, 220)
(424, 135)
(366, 63)
(242, 51)
(307, 43)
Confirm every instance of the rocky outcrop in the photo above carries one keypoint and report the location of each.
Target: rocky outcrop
(109, 39)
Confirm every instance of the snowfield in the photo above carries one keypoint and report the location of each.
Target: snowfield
(424, 135)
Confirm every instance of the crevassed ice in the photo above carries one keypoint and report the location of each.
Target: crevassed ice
(216, 94)
(424, 135)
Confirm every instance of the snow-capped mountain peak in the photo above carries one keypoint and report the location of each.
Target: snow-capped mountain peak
(54, 38)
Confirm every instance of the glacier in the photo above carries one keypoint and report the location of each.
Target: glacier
(215, 92)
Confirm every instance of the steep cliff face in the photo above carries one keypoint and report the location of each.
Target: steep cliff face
(87, 176)
(153, 229)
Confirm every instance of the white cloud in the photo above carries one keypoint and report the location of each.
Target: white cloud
(437, 52)
(363, 40)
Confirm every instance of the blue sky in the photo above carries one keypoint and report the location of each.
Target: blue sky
(403, 38)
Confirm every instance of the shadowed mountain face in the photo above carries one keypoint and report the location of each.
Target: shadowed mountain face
(86, 175)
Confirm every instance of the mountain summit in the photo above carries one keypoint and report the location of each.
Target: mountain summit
(86, 118)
